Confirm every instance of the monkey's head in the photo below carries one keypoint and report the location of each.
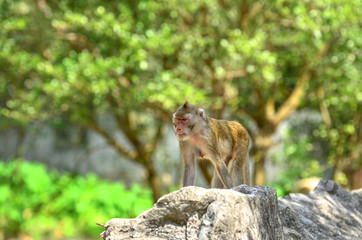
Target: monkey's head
(188, 120)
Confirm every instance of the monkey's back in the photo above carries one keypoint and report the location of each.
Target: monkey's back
(231, 131)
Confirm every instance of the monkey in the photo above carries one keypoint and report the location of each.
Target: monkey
(225, 143)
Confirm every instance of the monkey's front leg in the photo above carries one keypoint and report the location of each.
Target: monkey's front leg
(189, 169)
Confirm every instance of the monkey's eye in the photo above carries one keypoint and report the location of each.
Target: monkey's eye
(184, 119)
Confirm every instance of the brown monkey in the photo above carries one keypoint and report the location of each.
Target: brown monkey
(225, 143)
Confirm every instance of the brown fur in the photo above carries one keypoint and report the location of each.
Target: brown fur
(224, 143)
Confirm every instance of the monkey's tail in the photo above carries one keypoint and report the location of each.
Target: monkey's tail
(250, 145)
(248, 158)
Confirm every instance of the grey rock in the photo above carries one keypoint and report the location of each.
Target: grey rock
(328, 212)
(246, 212)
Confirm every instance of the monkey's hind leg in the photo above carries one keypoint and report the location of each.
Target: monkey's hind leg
(221, 178)
(240, 169)
(216, 182)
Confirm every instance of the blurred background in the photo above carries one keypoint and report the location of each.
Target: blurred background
(88, 88)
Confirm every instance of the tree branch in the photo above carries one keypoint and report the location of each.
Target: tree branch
(125, 125)
(244, 9)
(164, 114)
(152, 146)
(77, 40)
(323, 108)
(187, 19)
(293, 101)
(270, 107)
(246, 13)
(129, 154)
(257, 91)
(44, 8)
(254, 116)
(235, 74)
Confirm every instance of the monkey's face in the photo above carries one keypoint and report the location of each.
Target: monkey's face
(182, 126)
(187, 121)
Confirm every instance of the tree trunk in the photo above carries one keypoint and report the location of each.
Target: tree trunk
(154, 181)
(262, 143)
(335, 168)
(357, 179)
(19, 142)
(140, 157)
(259, 172)
(353, 174)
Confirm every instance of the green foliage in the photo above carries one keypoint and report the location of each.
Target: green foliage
(297, 163)
(142, 52)
(343, 112)
(136, 61)
(42, 204)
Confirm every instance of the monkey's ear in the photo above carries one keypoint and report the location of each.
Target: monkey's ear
(201, 113)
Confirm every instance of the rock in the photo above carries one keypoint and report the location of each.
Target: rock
(246, 212)
(328, 212)
(197, 213)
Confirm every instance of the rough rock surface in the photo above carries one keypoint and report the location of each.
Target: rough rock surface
(328, 212)
(246, 212)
